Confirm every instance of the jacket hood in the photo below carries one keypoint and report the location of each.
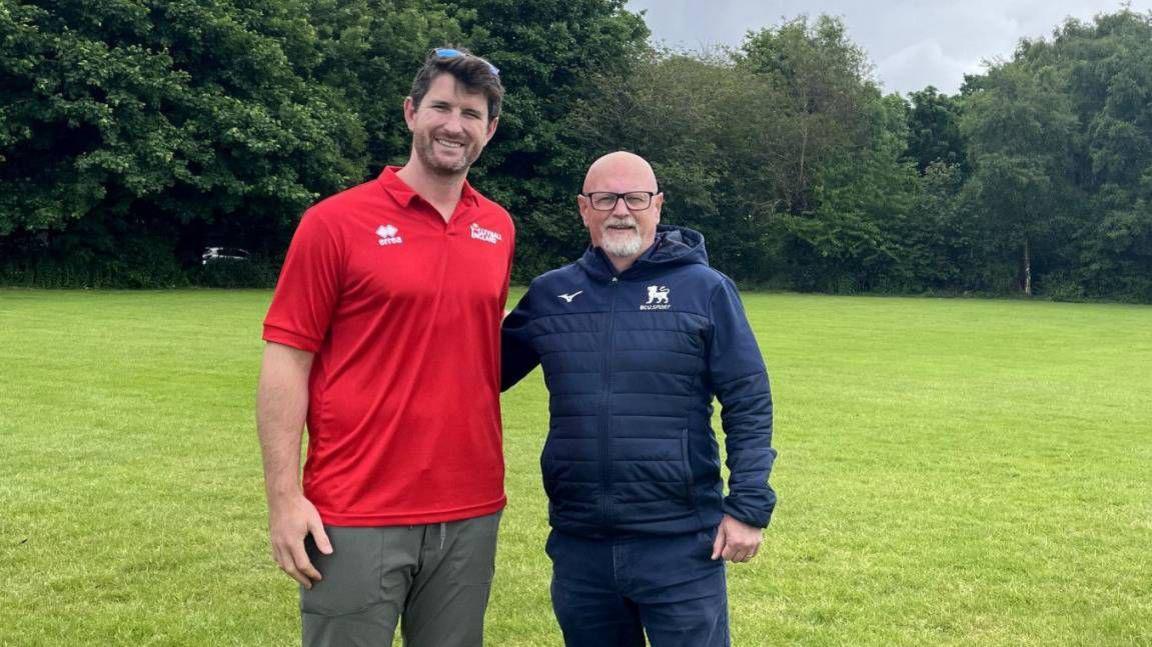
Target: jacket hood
(674, 246)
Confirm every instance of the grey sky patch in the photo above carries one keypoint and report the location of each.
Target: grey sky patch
(911, 43)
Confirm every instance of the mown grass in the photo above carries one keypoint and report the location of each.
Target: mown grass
(951, 472)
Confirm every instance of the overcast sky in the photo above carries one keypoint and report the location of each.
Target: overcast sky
(911, 43)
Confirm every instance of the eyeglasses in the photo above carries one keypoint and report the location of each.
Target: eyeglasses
(446, 52)
(606, 200)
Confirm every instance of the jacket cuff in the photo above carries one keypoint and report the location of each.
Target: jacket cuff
(752, 515)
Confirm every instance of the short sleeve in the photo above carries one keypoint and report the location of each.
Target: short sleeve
(309, 286)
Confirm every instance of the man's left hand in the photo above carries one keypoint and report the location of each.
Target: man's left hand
(736, 541)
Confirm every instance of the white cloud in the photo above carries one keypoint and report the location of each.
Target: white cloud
(920, 65)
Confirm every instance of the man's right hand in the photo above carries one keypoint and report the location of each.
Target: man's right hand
(289, 522)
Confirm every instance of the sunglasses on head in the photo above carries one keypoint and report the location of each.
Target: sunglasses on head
(446, 52)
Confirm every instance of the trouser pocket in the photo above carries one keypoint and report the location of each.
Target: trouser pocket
(360, 572)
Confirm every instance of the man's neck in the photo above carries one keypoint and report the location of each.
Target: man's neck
(441, 191)
(621, 263)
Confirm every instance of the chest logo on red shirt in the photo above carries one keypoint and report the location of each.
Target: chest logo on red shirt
(389, 235)
(486, 235)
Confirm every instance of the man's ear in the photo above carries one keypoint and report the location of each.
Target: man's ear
(583, 206)
(492, 123)
(409, 112)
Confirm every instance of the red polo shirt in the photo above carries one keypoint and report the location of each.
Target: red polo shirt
(403, 313)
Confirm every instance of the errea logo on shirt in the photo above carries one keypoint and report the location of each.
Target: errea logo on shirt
(486, 235)
(389, 235)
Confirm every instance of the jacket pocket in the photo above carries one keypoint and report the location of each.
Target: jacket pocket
(686, 469)
(548, 468)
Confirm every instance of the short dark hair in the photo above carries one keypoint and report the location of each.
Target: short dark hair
(474, 73)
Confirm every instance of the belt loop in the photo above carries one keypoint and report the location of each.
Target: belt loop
(442, 531)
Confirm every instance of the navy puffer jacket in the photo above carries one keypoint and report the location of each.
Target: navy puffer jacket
(632, 361)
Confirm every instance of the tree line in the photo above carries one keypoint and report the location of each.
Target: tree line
(136, 132)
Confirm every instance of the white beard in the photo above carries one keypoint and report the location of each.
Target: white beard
(622, 246)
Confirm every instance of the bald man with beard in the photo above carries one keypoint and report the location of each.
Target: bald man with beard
(635, 340)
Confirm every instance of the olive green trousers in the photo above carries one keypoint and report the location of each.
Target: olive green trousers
(432, 580)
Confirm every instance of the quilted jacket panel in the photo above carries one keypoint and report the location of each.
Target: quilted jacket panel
(632, 362)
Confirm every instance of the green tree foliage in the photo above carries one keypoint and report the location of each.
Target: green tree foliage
(134, 132)
(132, 118)
(548, 52)
(844, 191)
(1109, 69)
(941, 241)
(1061, 146)
(189, 120)
(1020, 131)
(696, 119)
(854, 238)
(368, 51)
(934, 130)
(136, 107)
(819, 80)
(783, 153)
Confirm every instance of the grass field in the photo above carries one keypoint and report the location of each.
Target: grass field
(951, 472)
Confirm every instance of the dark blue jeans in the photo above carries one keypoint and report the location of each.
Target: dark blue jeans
(609, 593)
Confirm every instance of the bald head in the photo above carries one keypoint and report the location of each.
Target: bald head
(621, 228)
(620, 164)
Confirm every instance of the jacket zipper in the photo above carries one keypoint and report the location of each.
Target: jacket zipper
(605, 412)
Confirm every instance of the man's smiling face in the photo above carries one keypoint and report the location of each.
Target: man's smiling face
(450, 127)
(621, 232)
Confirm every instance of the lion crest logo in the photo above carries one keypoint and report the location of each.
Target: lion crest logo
(657, 294)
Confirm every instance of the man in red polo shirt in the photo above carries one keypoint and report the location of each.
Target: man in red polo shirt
(383, 336)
